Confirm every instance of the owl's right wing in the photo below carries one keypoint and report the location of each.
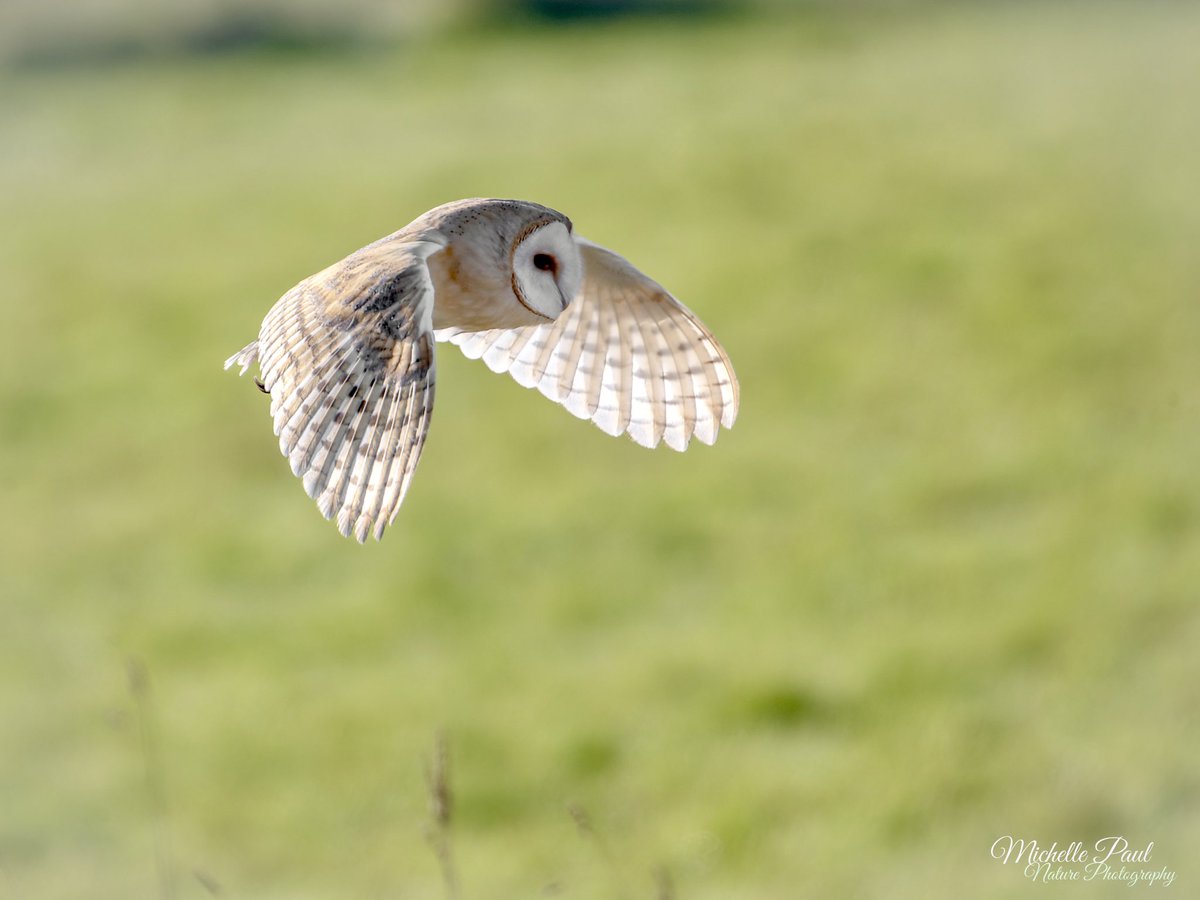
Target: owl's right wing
(347, 357)
(624, 354)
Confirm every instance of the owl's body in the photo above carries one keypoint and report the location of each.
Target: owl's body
(347, 354)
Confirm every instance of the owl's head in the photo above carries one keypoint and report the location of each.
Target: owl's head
(519, 255)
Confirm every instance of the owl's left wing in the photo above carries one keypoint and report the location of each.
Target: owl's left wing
(347, 357)
(624, 354)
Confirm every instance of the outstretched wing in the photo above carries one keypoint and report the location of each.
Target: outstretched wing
(624, 354)
(347, 357)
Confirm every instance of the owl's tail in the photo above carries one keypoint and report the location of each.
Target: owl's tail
(246, 357)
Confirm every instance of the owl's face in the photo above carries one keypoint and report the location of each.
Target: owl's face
(546, 269)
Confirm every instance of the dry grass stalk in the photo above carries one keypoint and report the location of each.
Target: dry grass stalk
(587, 830)
(439, 831)
(139, 689)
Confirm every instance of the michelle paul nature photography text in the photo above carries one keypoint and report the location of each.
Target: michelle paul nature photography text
(1110, 858)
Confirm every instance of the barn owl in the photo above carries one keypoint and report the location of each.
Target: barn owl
(347, 354)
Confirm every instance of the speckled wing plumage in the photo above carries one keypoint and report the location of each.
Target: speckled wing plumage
(624, 354)
(347, 357)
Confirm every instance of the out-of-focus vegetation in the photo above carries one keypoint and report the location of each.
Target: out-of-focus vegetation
(41, 35)
(938, 585)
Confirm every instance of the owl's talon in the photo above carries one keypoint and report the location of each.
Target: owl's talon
(262, 387)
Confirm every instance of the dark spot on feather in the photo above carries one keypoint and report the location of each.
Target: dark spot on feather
(397, 325)
(386, 292)
(417, 374)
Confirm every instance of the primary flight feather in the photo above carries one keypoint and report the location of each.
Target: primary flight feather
(347, 354)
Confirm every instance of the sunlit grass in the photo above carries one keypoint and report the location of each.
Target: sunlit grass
(938, 585)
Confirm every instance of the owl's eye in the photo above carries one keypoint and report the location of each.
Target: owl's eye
(545, 262)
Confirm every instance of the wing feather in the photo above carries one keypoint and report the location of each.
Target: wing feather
(527, 366)
(613, 406)
(568, 350)
(364, 449)
(680, 381)
(647, 369)
(373, 489)
(580, 392)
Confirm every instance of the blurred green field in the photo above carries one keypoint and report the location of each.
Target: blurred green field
(938, 585)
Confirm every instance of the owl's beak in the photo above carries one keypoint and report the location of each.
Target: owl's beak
(565, 299)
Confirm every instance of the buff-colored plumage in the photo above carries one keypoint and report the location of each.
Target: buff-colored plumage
(347, 354)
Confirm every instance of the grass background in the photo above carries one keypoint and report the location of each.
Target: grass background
(938, 585)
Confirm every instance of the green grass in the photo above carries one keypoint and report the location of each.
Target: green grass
(939, 584)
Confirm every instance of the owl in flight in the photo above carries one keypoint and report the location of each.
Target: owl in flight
(347, 354)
